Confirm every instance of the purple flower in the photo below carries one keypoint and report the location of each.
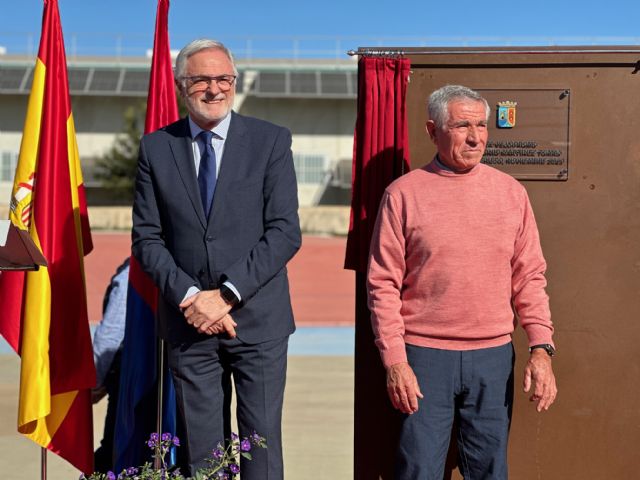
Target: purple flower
(218, 453)
(235, 468)
(153, 440)
(166, 437)
(245, 445)
(111, 475)
(176, 441)
(234, 436)
(132, 471)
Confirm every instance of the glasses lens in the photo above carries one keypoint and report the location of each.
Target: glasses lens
(197, 83)
(225, 81)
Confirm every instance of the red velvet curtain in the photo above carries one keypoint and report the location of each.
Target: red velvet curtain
(380, 155)
(380, 149)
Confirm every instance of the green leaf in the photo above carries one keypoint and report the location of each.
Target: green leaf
(246, 455)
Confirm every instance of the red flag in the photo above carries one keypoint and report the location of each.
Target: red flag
(135, 417)
(162, 108)
(45, 312)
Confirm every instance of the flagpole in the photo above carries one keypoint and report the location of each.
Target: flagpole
(160, 375)
(43, 463)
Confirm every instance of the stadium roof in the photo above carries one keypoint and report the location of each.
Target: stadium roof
(101, 76)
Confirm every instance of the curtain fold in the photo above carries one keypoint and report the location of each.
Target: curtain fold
(380, 148)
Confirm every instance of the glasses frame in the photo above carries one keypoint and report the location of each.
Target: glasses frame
(190, 81)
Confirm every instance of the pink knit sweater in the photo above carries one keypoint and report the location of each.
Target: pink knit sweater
(450, 254)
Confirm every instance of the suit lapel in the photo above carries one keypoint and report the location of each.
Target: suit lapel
(235, 154)
(182, 151)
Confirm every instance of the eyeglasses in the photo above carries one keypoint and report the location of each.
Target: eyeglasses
(202, 82)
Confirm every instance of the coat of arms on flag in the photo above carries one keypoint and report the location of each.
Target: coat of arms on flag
(507, 114)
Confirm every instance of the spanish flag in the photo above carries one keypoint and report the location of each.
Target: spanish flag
(44, 313)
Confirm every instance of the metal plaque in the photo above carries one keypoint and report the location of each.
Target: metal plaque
(536, 146)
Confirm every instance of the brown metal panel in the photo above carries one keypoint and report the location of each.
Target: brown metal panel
(590, 229)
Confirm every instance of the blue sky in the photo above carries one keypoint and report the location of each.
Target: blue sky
(94, 24)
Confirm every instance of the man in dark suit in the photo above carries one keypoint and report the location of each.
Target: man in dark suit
(214, 223)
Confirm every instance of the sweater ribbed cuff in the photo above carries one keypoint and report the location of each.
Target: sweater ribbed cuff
(395, 354)
(539, 334)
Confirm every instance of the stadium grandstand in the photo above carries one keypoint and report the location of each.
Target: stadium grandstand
(311, 92)
(307, 84)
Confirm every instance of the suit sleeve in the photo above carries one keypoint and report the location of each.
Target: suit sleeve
(148, 243)
(281, 238)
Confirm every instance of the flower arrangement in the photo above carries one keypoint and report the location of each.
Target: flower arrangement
(223, 463)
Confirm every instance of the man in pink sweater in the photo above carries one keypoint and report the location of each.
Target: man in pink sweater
(455, 251)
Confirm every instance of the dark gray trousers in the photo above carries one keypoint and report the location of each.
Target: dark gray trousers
(476, 386)
(200, 372)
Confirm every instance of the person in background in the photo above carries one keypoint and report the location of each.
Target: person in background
(107, 347)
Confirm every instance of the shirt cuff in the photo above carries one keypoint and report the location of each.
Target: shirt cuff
(191, 292)
(233, 289)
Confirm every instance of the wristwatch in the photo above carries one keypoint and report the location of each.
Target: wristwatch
(544, 346)
(227, 295)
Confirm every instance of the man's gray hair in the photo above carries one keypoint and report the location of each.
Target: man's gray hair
(438, 104)
(197, 46)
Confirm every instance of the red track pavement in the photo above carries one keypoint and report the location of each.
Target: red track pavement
(322, 292)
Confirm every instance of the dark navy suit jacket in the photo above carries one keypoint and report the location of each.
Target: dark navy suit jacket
(251, 233)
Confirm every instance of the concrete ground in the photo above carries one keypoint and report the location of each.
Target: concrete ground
(317, 423)
(318, 411)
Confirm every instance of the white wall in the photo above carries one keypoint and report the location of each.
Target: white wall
(318, 126)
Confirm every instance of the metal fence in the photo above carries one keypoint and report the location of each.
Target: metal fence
(280, 46)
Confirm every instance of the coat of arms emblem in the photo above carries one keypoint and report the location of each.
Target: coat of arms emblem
(507, 114)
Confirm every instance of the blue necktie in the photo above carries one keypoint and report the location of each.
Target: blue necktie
(207, 171)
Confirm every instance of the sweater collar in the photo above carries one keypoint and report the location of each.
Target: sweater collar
(437, 167)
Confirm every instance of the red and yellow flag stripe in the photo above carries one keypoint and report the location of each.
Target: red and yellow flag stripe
(47, 311)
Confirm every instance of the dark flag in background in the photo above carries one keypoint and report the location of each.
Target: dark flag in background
(137, 401)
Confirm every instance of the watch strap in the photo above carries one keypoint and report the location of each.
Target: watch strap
(228, 295)
(544, 346)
